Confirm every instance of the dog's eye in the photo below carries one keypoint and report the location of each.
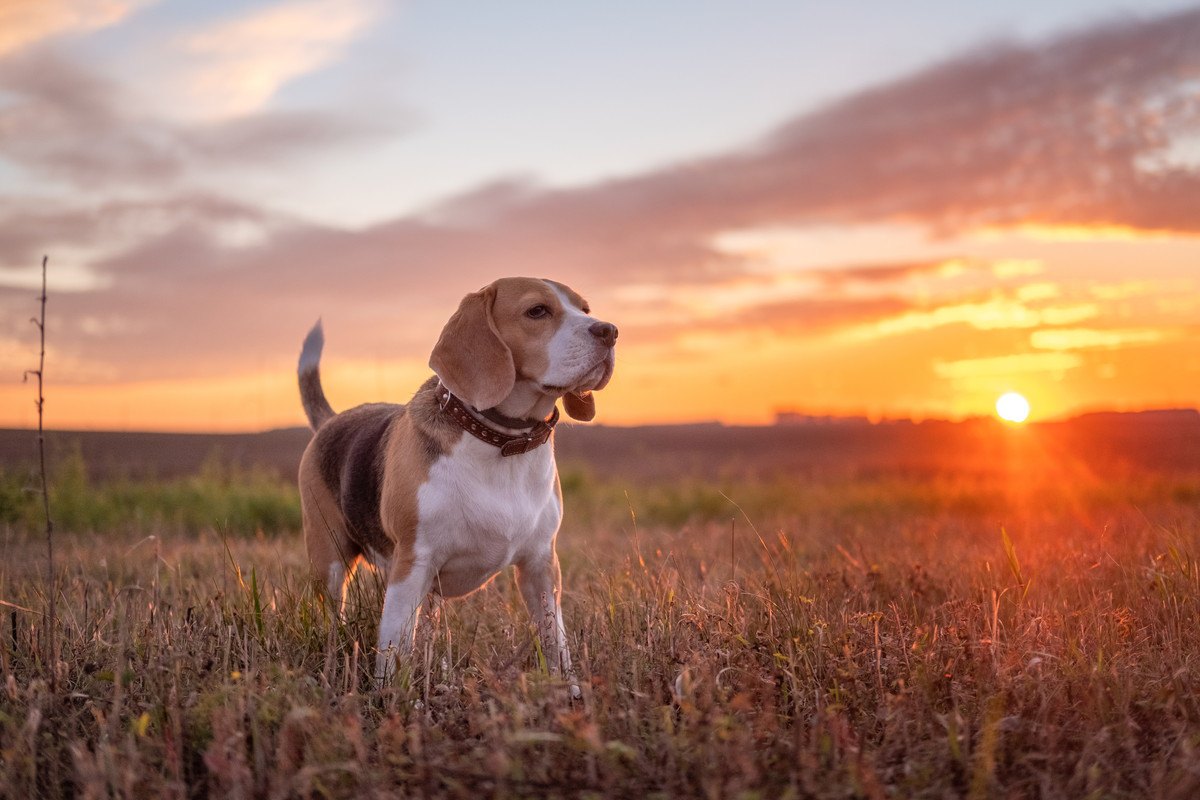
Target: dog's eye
(537, 312)
(586, 309)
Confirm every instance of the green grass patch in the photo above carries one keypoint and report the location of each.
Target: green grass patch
(236, 500)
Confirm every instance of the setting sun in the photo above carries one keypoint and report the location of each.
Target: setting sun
(1012, 407)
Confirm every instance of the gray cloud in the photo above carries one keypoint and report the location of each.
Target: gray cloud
(68, 123)
(28, 224)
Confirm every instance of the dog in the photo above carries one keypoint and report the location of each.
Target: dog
(444, 492)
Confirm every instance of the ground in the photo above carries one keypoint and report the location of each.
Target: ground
(1025, 629)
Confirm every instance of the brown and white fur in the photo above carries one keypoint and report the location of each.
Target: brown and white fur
(435, 509)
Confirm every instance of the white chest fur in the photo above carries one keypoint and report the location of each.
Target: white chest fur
(479, 512)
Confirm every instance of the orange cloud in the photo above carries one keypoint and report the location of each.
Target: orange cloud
(1017, 268)
(990, 314)
(1006, 365)
(1125, 289)
(1034, 292)
(875, 274)
(1088, 338)
(1087, 232)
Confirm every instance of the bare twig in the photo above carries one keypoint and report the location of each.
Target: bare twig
(52, 589)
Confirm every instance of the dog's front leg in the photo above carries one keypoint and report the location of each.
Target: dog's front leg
(408, 584)
(540, 580)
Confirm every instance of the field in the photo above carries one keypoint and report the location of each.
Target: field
(924, 611)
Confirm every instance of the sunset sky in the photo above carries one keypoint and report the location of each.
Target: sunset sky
(890, 209)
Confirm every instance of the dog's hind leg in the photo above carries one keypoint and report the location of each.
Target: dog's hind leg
(332, 555)
(333, 565)
(337, 583)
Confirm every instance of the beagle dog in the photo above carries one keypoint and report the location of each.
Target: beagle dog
(444, 492)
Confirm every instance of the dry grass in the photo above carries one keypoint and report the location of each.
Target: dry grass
(858, 644)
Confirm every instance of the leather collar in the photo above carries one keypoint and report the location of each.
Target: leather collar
(504, 421)
(537, 435)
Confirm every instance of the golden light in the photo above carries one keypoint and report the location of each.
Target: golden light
(1012, 407)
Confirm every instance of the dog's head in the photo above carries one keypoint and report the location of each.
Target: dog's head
(525, 329)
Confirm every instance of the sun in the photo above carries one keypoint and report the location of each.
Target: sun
(1012, 407)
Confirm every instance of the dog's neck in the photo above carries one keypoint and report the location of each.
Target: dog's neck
(511, 436)
(528, 401)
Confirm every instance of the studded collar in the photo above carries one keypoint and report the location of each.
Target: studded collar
(509, 444)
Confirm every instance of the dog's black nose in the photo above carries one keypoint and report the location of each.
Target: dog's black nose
(605, 332)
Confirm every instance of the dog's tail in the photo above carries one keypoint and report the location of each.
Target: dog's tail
(312, 396)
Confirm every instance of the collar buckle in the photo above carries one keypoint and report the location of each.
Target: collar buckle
(518, 447)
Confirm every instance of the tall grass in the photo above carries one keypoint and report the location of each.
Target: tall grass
(841, 640)
(233, 499)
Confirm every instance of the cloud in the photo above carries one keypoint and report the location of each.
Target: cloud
(998, 312)
(1048, 133)
(26, 22)
(1017, 268)
(1022, 363)
(812, 315)
(72, 124)
(1034, 292)
(1089, 338)
(186, 302)
(1125, 289)
(16, 358)
(27, 224)
(235, 66)
(876, 274)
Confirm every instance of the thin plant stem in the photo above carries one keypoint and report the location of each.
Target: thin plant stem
(51, 589)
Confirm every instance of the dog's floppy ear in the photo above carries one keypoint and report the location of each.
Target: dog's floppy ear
(470, 357)
(581, 406)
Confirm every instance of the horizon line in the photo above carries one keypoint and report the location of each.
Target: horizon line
(804, 420)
